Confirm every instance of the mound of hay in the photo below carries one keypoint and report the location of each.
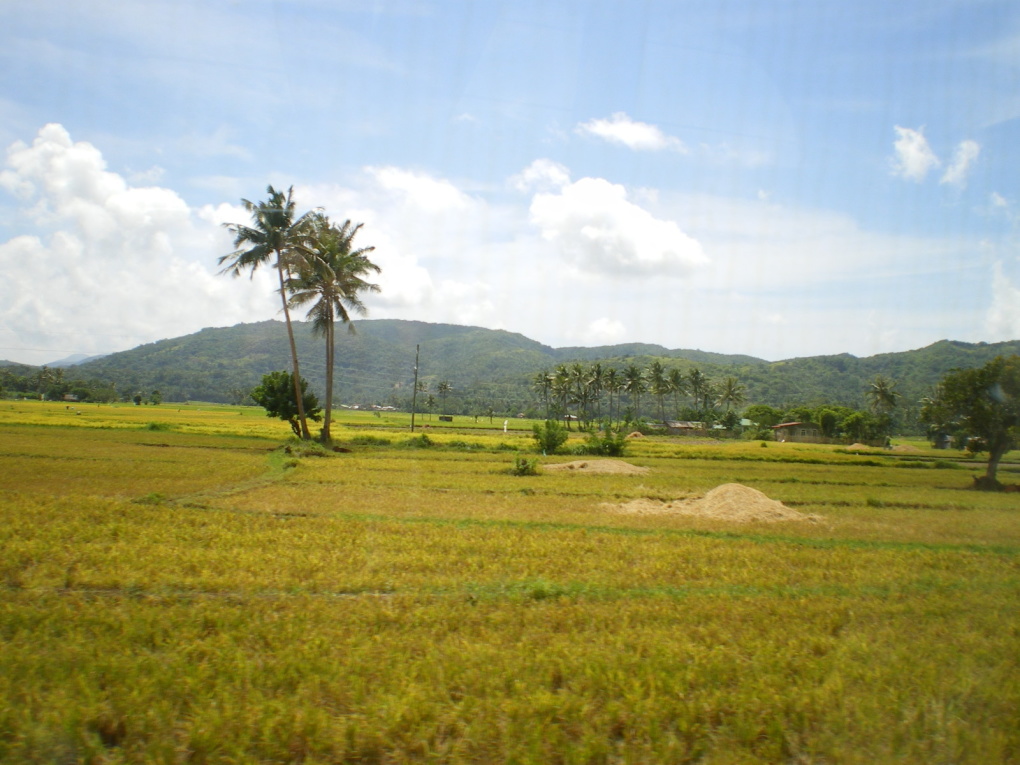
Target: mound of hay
(598, 466)
(858, 446)
(636, 434)
(908, 448)
(730, 502)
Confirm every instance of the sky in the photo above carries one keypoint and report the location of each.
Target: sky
(779, 179)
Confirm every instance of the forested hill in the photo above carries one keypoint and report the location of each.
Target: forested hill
(492, 367)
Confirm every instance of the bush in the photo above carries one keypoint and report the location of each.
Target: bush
(524, 466)
(606, 444)
(550, 436)
(417, 442)
(370, 441)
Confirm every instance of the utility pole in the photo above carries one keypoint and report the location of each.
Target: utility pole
(414, 395)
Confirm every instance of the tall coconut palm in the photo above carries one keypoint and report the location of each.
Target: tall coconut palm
(612, 383)
(882, 395)
(634, 384)
(542, 383)
(274, 232)
(731, 393)
(444, 389)
(677, 386)
(699, 388)
(658, 383)
(332, 280)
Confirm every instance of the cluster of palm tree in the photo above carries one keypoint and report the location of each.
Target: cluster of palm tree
(585, 388)
(317, 265)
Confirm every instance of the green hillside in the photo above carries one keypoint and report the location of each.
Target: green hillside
(488, 368)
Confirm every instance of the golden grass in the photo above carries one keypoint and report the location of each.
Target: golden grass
(198, 594)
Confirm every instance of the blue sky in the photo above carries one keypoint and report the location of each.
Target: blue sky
(778, 179)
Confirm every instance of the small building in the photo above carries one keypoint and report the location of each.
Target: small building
(799, 433)
(684, 427)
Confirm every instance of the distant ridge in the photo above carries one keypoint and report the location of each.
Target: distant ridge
(494, 367)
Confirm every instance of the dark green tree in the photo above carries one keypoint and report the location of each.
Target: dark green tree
(985, 404)
(276, 395)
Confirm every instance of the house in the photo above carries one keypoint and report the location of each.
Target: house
(683, 427)
(799, 433)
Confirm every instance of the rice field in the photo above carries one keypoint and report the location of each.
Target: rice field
(187, 585)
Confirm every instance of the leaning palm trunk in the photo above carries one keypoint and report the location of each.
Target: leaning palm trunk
(305, 434)
(327, 417)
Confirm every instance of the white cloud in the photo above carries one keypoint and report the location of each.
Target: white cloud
(639, 136)
(913, 158)
(598, 229)
(543, 175)
(604, 331)
(1003, 319)
(966, 154)
(430, 194)
(109, 265)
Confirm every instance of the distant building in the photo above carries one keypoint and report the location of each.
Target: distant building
(799, 433)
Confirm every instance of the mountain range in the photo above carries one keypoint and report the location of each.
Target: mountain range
(491, 367)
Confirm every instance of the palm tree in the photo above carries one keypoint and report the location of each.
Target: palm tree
(542, 383)
(333, 277)
(677, 386)
(659, 385)
(561, 389)
(444, 389)
(882, 395)
(699, 388)
(731, 393)
(634, 384)
(612, 383)
(274, 232)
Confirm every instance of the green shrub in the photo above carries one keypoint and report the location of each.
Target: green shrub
(370, 441)
(158, 426)
(417, 442)
(605, 444)
(524, 466)
(550, 436)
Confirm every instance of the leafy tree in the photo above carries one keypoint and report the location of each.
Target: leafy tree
(677, 386)
(274, 232)
(276, 395)
(331, 278)
(984, 403)
(764, 417)
(156, 398)
(550, 436)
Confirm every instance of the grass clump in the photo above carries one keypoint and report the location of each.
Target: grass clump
(159, 427)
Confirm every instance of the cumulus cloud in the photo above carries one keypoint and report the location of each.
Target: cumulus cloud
(913, 157)
(1003, 318)
(639, 136)
(136, 261)
(594, 224)
(543, 175)
(430, 194)
(966, 154)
